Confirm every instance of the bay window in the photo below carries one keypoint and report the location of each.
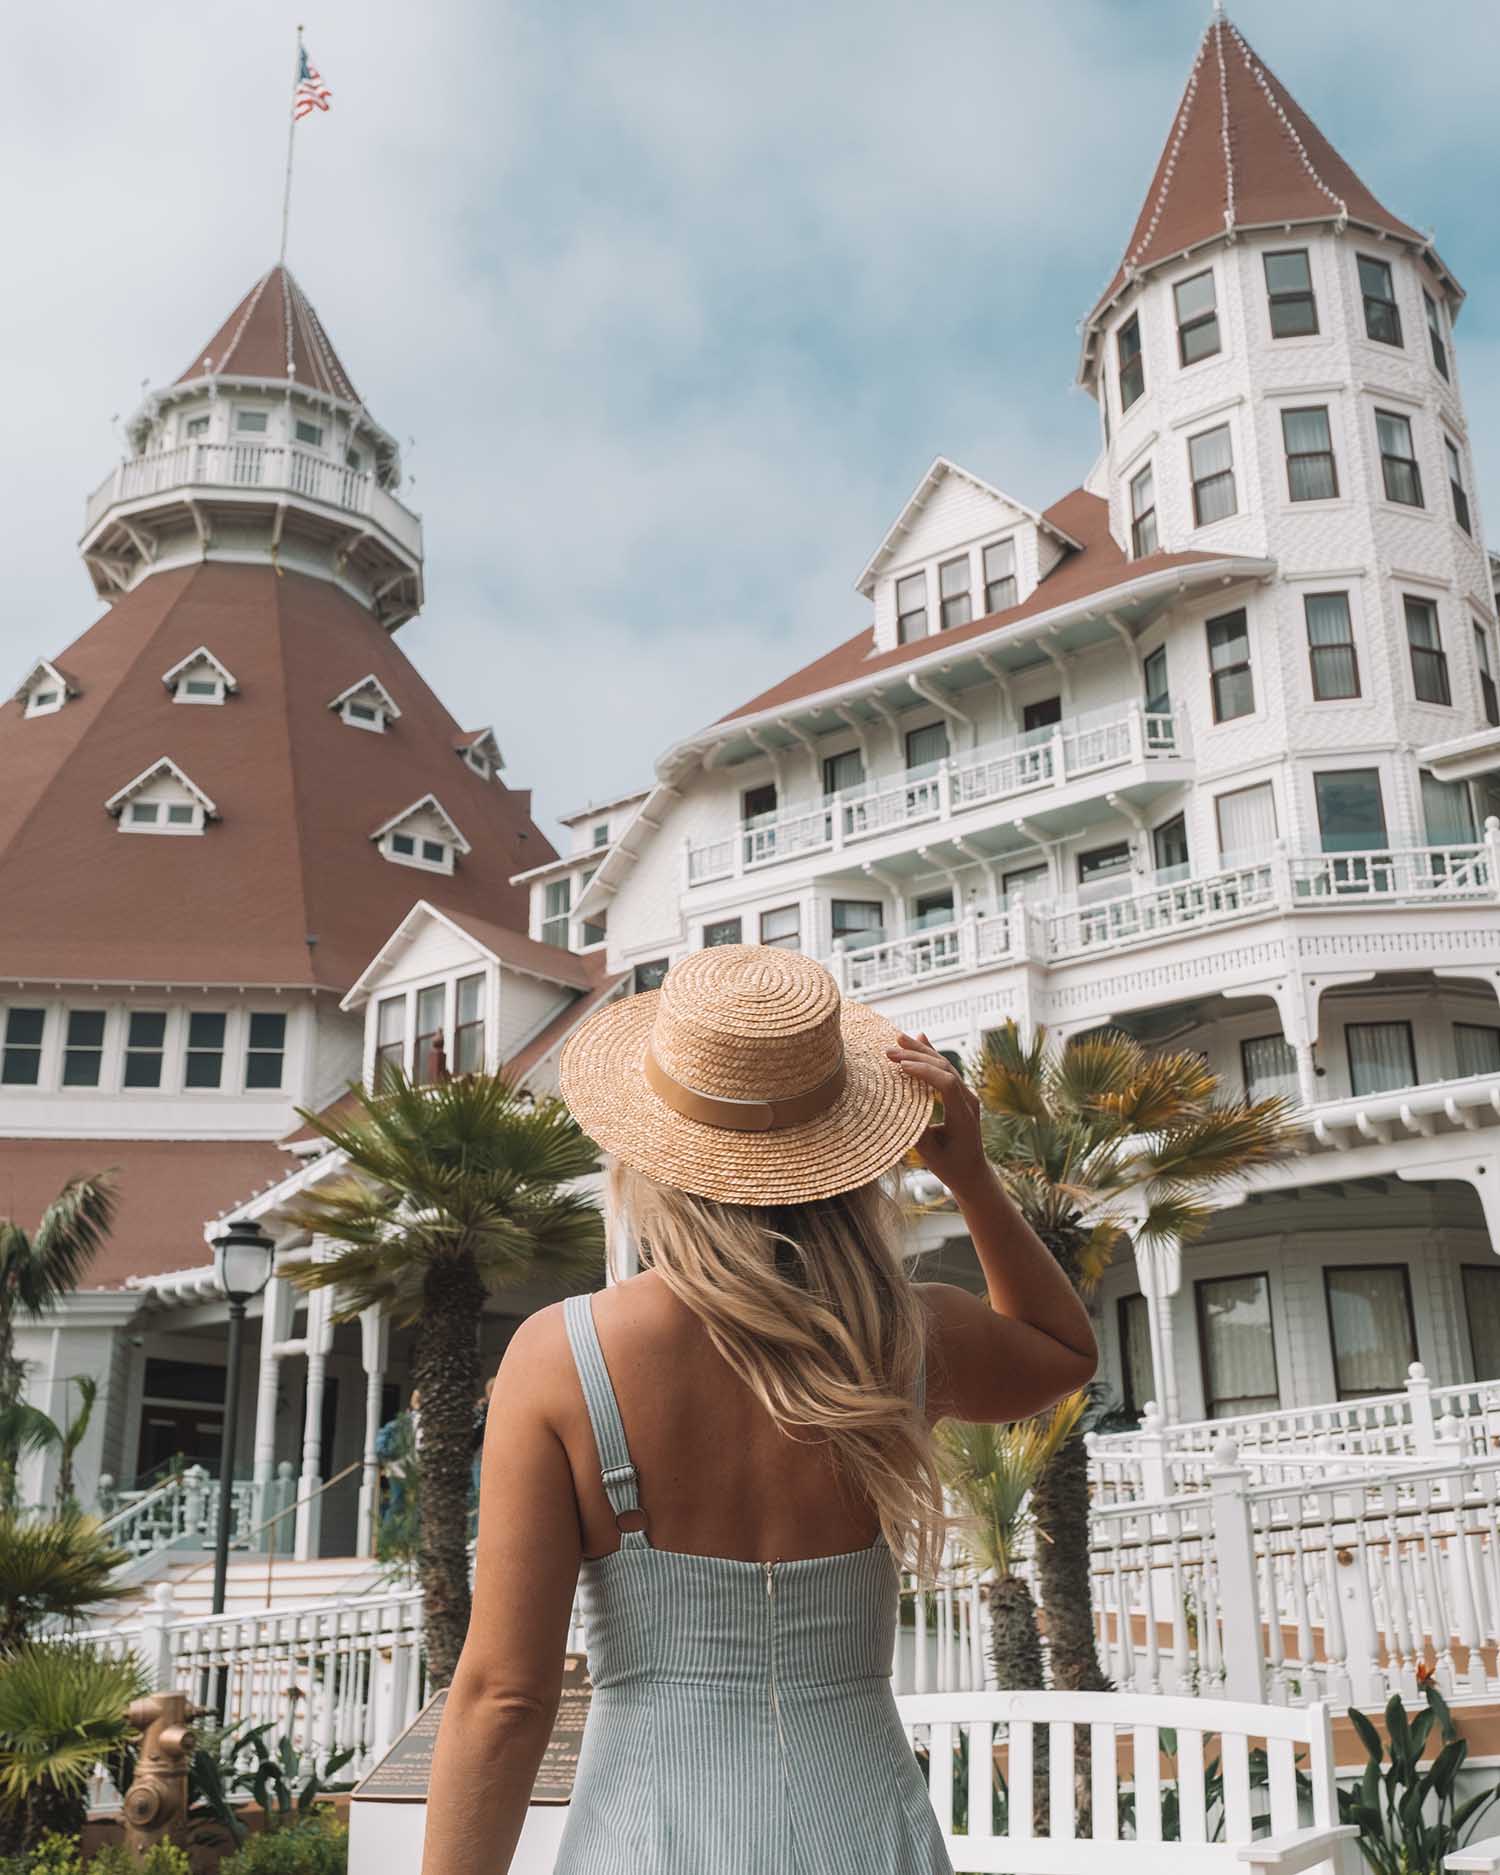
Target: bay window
(1429, 661)
(1330, 646)
(1132, 366)
(1211, 462)
(1399, 469)
(911, 608)
(1143, 536)
(1197, 317)
(1311, 472)
(1435, 332)
(1230, 680)
(1382, 314)
(999, 575)
(953, 590)
(1289, 289)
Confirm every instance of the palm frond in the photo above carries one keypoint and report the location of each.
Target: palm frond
(54, 1567)
(25, 1429)
(992, 1471)
(1164, 1091)
(70, 1234)
(1090, 1072)
(62, 1708)
(1222, 1142)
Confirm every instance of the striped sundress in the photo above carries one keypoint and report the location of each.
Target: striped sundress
(742, 1719)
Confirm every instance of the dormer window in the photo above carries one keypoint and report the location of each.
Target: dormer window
(999, 575)
(366, 705)
(251, 422)
(953, 585)
(44, 690)
(161, 799)
(911, 608)
(481, 752)
(601, 834)
(423, 836)
(199, 678)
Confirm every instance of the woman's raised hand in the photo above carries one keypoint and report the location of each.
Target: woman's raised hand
(952, 1148)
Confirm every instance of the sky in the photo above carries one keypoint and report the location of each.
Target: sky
(671, 302)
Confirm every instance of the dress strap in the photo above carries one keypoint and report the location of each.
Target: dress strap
(616, 1469)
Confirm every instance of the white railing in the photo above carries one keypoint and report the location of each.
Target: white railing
(274, 466)
(1423, 873)
(181, 1512)
(1082, 745)
(1073, 929)
(938, 950)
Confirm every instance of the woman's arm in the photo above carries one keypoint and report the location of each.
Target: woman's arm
(500, 1709)
(1034, 1343)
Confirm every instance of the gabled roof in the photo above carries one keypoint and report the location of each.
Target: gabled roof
(481, 742)
(274, 333)
(369, 683)
(201, 656)
(1242, 153)
(941, 469)
(289, 891)
(45, 669)
(163, 766)
(512, 949)
(429, 803)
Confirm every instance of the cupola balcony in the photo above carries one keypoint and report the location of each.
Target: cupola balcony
(1123, 749)
(155, 506)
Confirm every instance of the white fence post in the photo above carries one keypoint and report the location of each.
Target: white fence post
(154, 1646)
(1419, 1396)
(1236, 1589)
(1151, 1443)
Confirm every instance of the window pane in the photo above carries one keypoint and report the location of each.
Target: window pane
(1394, 433)
(470, 998)
(854, 915)
(651, 976)
(1247, 823)
(1447, 812)
(911, 606)
(757, 802)
(1194, 296)
(1482, 1306)
(843, 771)
(1103, 862)
(1142, 492)
(953, 578)
(782, 927)
(1369, 1319)
(1000, 559)
(144, 1039)
(21, 1061)
(1288, 272)
(1239, 1350)
(205, 1049)
(1154, 672)
(559, 896)
(1311, 478)
(1477, 1048)
(1305, 430)
(1380, 1057)
(390, 1019)
(1132, 365)
(1136, 1381)
(725, 931)
(1169, 845)
(925, 748)
(1042, 714)
(83, 1052)
(263, 1060)
(1211, 452)
(252, 422)
(1351, 816)
(1330, 638)
(1421, 623)
(1024, 882)
(1270, 1066)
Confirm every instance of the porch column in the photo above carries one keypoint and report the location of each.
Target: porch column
(374, 1339)
(319, 1339)
(275, 1323)
(1159, 1270)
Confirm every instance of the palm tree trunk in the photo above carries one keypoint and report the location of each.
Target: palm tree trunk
(1016, 1659)
(446, 1375)
(1060, 1505)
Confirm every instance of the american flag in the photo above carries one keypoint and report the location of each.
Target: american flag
(311, 93)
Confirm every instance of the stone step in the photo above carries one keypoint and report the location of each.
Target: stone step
(291, 1584)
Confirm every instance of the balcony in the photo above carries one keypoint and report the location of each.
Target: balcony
(1037, 762)
(1056, 932)
(276, 468)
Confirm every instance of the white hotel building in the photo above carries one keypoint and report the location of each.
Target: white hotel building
(1208, 751)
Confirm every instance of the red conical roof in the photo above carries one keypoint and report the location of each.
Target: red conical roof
(275, 333)
(1242, 153)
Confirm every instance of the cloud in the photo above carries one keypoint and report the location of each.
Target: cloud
(677, 299)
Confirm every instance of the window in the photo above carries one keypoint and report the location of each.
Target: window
(1382, 315)
(1351, 815)
(1169, 848)
(390, 1038)
(1238, 1346)
(1269, 1063)
(145, 1039)
(927, 747)
(468, 1025)
(1132, 365)
(1330, 646)
(1104, 864)
(195, 427)
(1477, 1048)
(1137, 1382)
(309, 433)
(1229, 666)
(1482, 1306)
(428, 1059)
(1197, 318)
(1447, 813)
(21, 1059)
(1042, 714)
(858, 920)
(44, 702)
(757, 803)
(1154, 676)
(1429, 661)
(1381, 1059)
(782, 928)
(1398, 459)
(999, 575)
(723, 931)
(557, 902)
(83, 1048)
(365, 715)
(1143, 536)
(200, 689)
(1435, 333)
(1294, 311)
(953, 588)
(250, 422)
(203, 1064)
(435, 852)
(1370, 1325)
(650, 976)
(1311, 473)
(1247, 824)
(843, 772)
(354, 459)
(911, 607)
(593, 930)
(932, 908)
(1484, 658)
(266, 1051)
(1211, 463)
(601, 834)
(1456, 483)
(1023, 883)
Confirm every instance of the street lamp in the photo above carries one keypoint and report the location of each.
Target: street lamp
(243, 1255)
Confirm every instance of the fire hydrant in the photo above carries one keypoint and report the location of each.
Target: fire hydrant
(156, 1804)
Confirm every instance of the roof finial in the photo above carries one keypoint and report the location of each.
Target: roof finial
(1218, 9)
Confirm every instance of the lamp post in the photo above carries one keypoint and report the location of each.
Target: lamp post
(242, 1261)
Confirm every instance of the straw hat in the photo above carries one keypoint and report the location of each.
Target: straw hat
(745, 1078)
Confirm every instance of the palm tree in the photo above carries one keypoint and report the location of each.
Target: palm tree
(453, 1191)
(1085, 1137)
(53, 1568)
(38, 1269)
(63, 1709)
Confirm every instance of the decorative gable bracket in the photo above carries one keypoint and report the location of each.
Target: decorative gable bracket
(161, 799)
(200, 677)
(367, 705)
(44, 689)
(424, 835)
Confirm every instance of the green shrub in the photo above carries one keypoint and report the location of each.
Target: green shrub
(315, 1844)
(164, 1858)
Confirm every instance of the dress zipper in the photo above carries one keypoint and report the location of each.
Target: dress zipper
(770, 1569)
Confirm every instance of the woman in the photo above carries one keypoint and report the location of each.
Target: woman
(733, 1449)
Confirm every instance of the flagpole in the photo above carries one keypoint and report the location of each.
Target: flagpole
(291, 139)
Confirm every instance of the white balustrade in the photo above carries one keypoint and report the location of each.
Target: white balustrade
(180, 1513)
(1420, 873)
(302, 471)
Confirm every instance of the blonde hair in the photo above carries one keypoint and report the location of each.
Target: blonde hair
(811, 1307)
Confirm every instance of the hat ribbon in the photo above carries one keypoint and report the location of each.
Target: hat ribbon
(743, 1116)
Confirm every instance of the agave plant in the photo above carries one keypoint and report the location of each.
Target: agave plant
(62, 1712)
